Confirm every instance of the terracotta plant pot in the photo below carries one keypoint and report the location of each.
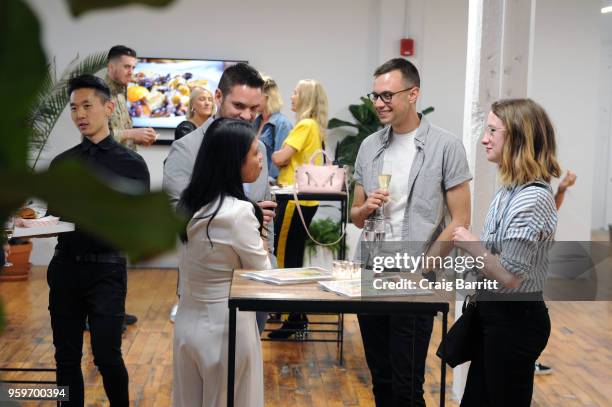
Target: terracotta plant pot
(20, 258)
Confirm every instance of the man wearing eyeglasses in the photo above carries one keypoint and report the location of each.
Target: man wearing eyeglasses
(430, 179)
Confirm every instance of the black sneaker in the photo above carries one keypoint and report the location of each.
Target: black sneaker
(294, 325)
(541, 369)
(130, 319)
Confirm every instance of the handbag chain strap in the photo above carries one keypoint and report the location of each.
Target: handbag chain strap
(299, 210)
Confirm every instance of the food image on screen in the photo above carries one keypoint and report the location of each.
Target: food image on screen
(158, 95)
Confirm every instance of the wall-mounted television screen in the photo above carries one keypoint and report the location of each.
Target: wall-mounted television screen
(158, 96)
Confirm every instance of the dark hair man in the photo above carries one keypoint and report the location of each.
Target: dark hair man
(238, 96)
(121, 64)
(87, 277)
(430, 178)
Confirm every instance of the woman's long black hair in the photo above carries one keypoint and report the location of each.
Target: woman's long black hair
(217, 170)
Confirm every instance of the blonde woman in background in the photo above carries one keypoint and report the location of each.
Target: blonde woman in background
(201, 108)
(309, 102)
(272, 126)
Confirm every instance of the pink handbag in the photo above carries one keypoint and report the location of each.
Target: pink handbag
(319, 179)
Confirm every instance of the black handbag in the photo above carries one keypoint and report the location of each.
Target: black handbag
(460, 339)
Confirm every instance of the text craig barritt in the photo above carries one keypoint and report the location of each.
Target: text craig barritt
(425, 284)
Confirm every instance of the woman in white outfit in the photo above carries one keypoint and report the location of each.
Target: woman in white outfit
(224, 234)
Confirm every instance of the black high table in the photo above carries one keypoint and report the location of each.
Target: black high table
(335, 328)
(249, 295)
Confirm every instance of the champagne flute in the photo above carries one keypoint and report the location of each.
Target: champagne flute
(384, 180)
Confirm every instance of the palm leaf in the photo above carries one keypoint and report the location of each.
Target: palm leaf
(53, 98)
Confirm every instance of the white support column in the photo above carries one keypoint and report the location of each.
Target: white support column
(499, 38)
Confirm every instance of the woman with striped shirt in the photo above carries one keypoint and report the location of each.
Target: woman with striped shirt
(512, 322)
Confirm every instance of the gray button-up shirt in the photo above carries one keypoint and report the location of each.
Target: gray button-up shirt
(440, 163)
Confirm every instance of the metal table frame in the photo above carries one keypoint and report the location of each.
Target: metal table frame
(341, 306)
(339, 331)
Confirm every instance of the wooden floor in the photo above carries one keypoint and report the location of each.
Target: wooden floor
(580, 350)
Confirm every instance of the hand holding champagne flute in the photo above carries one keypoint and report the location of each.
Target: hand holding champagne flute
(384, 180)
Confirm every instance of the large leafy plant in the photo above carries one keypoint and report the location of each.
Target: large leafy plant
(366, 123)
(52, 99)
(142, 226)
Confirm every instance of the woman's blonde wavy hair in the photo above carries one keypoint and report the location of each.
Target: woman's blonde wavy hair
(274, 101)
(529, 151)
(311, 103)
(195, 93)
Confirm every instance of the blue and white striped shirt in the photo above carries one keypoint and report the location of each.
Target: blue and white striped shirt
(520, 227)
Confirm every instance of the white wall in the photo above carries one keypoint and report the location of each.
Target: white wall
(340, 43)
(444, 59)
(349, 39)
(602, 175)
(565, 73)
(331, 42)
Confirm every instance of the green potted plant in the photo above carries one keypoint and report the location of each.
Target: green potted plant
(325, 231)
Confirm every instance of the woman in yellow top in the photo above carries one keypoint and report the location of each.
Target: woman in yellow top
(309, 102)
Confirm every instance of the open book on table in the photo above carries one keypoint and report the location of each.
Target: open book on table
(290, 275)
(367, 288)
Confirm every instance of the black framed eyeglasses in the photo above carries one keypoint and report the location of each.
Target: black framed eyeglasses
(386, 96)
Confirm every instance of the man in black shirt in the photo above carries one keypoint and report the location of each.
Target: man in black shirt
(87, 277)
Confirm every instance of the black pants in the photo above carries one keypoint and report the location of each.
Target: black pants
(395, 349)
(289, 233)
(95, 291)
(511, 336)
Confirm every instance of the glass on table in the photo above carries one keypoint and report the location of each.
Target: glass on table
(339, 269)
(356, 267)
(346, 270)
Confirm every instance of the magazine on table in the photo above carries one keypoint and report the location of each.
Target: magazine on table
(297, 275)
(367, 288)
